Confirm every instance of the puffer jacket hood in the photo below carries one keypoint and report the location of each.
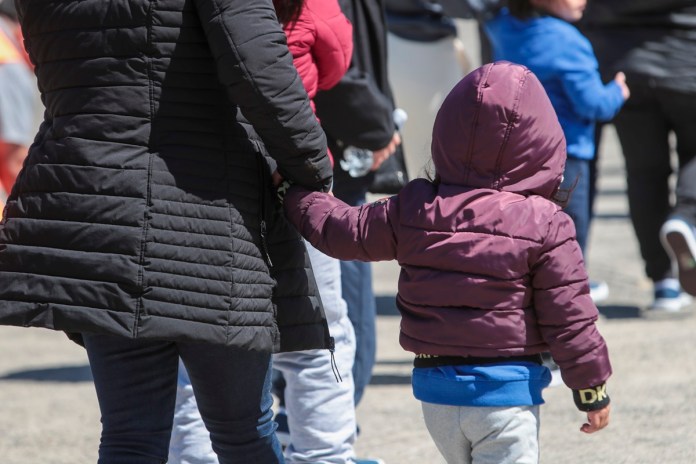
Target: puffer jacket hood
(497, 129)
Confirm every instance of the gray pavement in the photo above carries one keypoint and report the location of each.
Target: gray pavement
(49, 413)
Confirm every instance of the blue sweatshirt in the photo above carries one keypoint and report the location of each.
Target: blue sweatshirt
(563, 60)
(500, 384)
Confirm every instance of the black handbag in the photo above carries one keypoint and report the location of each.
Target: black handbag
(391, 175)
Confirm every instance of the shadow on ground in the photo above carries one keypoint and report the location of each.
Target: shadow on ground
(386, 305)
(620, 312)
(52, 374)
(391, 379)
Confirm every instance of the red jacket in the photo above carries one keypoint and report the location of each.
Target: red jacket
(321, 43)
(489, 265)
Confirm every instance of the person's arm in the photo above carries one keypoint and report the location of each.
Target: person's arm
(590, 97)
(565, 312)
(358, 111)
(344, 232)
(333, 46)
(256, 68)
(566, 316)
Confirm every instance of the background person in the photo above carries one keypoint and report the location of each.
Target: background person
(539, 34)
(358, 112)
(654, 43)
(18, 99)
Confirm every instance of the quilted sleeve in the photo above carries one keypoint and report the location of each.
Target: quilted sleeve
(565, 312)
(363, 233)
(256, 68)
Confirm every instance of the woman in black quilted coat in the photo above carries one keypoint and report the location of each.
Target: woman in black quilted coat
(143, 222)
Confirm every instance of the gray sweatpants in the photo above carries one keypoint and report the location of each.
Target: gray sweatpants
(484, 435)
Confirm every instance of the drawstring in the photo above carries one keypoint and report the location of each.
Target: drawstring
(334, 366)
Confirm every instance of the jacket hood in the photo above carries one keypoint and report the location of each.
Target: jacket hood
(497, 129)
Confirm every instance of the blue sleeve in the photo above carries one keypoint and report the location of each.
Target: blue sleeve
(579, 74)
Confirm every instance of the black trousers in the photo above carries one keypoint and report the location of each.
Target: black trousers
(653, 122)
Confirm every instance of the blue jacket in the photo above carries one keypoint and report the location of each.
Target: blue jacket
(563, 60)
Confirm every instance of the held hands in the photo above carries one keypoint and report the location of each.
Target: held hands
(282, 186)
(620, 79)
(380, 156)
(596, 420)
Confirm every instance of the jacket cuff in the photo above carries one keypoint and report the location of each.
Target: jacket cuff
(591, 399)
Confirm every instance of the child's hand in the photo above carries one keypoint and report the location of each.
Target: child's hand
(596, 420)
(620, 79)
(380, 156)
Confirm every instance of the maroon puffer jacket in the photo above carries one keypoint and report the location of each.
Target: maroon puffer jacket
(490, 266)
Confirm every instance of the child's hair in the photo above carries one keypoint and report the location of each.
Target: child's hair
(288, 10)
(521, 9)
(562, 196)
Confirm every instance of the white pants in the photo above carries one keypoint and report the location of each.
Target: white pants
(484, 435)
(321, 413)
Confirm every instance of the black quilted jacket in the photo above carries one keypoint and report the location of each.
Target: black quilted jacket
(142, 204)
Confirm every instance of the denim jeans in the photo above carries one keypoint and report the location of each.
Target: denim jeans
(320, 410)
(136, 385)
(577, 173)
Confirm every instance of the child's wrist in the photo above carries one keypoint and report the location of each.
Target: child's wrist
(591, 399)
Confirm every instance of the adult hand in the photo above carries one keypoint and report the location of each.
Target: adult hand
(276, 178)
(620, 79)
(380, 156)
(596, 420)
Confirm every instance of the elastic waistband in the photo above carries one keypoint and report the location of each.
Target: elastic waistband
(429, 360)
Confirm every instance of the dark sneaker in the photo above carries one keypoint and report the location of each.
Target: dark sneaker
(678, 238)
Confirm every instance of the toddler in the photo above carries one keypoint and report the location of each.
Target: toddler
(491, 273)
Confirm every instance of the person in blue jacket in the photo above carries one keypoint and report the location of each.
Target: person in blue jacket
(539, 34)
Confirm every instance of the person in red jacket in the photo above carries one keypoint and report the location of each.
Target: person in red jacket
(18, 99)
(492, 274)
(317, 413)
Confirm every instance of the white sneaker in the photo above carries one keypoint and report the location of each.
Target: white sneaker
(599, 290)
(668, 297)
(677, 237)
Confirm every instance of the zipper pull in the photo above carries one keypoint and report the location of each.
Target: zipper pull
(264, 245)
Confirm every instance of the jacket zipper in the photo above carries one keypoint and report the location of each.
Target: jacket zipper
(262, 212)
